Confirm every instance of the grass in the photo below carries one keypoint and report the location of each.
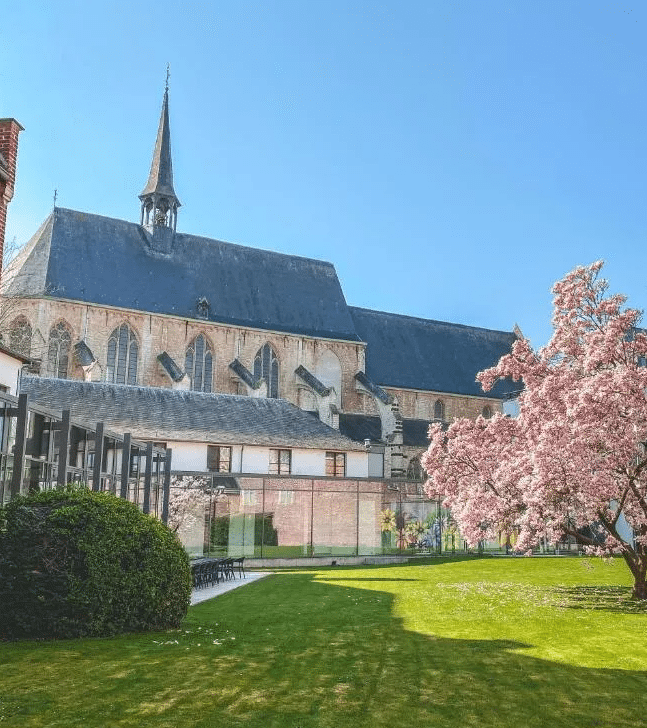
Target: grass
(450, 643)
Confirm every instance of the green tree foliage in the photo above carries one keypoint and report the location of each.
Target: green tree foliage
(77, 563)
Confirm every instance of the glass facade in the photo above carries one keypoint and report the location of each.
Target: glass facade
(294, 517)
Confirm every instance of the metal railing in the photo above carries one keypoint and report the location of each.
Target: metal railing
(41, 449)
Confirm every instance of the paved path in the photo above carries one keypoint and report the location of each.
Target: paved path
(209, 592)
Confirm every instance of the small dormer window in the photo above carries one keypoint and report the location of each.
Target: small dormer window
(202, 307)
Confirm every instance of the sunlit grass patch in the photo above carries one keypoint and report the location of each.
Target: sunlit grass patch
(480, 642)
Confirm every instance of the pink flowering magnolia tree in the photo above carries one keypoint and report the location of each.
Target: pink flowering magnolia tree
(573, 463)
(188, 499)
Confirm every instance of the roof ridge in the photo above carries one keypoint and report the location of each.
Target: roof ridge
(202, 237)
(426, 320)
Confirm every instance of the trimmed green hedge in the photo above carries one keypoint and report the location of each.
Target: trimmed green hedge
(76, 563)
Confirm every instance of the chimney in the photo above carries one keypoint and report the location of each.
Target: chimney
(9, 130)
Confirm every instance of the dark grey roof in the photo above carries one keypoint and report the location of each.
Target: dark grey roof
(83, 354)
(414, 433)
(312, 381)
(175, 372)
(416, 353)
(95, 259)
(369, 427)
(14, 354)
(157, 413)
(360, 427)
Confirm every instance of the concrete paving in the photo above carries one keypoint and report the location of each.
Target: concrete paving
(210, 592)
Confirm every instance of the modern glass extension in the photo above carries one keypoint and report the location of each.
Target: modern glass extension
(294, 517)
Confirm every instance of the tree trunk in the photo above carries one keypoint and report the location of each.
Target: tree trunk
(640, 588)
(637, 562)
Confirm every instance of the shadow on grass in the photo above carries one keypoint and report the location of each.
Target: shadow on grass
(332, 577)
(291, 651)
(600, 598)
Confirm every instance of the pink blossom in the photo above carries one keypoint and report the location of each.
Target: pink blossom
(575, 455)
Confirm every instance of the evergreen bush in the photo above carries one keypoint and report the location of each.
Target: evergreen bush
(77, 563)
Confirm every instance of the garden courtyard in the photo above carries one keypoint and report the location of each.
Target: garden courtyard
(487, 642)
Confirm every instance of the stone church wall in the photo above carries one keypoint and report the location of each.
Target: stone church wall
(155, 334)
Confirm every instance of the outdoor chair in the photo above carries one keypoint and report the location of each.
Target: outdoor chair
(228, 568)
(239, 564)
(211, 575)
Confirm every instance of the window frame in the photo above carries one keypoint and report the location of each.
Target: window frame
(215, 456)
(333, 457)
(59, 346)
(20, 335)
(130, 360)
(203, 364)
(278, 467)
(266, 366)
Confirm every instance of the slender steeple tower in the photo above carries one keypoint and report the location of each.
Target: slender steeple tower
(159, 201)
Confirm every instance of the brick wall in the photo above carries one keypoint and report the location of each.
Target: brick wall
(156, 334)
(9, 130)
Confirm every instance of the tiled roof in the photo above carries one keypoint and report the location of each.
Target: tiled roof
(368, 427)
(415, 353)
(69, 256)
(157, 413)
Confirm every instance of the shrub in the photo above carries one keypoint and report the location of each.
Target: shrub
(77, 563)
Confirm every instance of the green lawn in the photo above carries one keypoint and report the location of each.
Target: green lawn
(475, 642)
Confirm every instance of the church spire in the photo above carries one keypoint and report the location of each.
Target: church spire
(159, 201)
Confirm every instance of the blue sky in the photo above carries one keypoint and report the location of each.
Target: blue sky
(452, 159)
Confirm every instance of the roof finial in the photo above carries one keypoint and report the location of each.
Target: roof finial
(168, 74)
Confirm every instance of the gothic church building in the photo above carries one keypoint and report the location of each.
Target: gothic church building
(98, 299)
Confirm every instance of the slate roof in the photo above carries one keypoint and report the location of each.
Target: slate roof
(157, 413)
(102, 260)
(415, 353)
(312, 381)
(368, 427)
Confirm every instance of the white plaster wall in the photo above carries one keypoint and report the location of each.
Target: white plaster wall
(255, 459)
(308, 462)
(9, 372)
(188, 455)
(357, 465)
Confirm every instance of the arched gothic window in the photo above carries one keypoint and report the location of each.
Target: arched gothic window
(20, 336)
(198, 364)
(123, 351)
(439, 410)
(266, 366)
(328, 371)
(487, 412)
(58, 350)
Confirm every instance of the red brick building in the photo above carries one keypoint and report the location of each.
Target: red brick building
(9, 131)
